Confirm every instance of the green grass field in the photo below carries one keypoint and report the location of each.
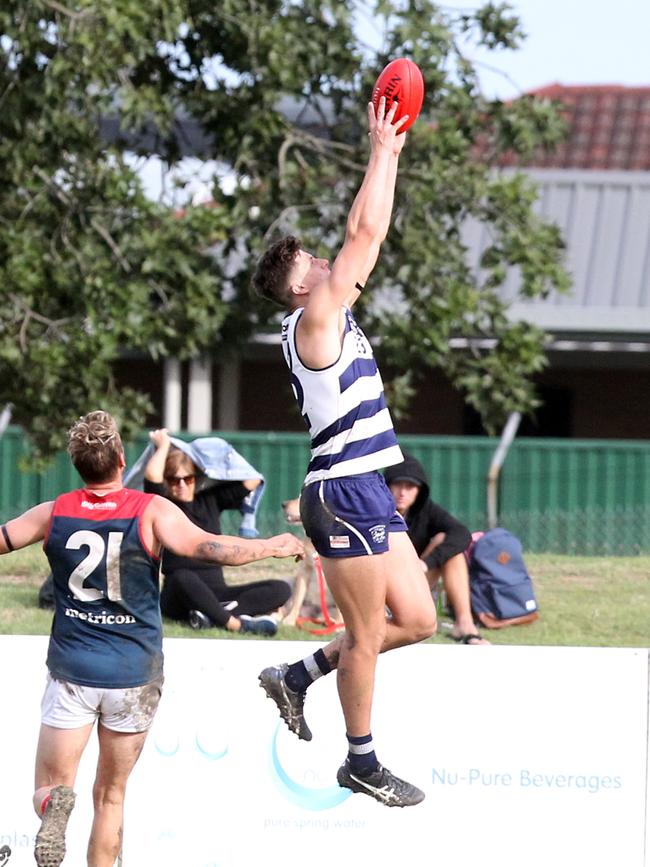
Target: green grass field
(584, 601)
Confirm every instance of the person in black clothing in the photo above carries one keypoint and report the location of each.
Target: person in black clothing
(440, 541)
(195, 591)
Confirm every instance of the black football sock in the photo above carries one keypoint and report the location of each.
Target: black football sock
(361, 755)
(302, 674)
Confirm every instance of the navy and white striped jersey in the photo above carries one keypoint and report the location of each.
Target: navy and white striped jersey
(343, 406)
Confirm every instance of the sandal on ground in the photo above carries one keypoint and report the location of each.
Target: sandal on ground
(467, 638)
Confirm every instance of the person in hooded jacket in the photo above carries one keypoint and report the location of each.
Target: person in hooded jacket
(440, 541)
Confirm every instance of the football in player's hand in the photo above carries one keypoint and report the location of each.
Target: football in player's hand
(400, 80)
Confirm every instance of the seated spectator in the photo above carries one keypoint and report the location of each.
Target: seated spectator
(440, 541)
(195, 591)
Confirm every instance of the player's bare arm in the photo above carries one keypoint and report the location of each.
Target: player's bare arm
(372, 216)
(167, 526)
(28, 528)
(319, 330)
(241, 551)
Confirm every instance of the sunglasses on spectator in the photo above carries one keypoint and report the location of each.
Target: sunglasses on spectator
(176, 480)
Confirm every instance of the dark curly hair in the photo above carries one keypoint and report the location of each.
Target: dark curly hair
(271, 277)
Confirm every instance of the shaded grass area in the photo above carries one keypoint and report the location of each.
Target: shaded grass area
(583, 601)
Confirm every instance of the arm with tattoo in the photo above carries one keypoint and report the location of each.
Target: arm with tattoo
(174, 531)
(233, 551)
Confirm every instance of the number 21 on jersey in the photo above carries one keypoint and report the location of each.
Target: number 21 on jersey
(99, 551)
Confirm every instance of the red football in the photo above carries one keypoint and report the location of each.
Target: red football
(401, 80)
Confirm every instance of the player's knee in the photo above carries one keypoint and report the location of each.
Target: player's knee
(366, 642)
(423, 627)
(107, 796)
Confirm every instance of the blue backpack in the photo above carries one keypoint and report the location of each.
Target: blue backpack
(501, 589)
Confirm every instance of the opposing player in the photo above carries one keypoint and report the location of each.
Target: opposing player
(105, 660)
(346, 507)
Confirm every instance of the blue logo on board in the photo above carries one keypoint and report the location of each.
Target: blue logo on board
(322, 798)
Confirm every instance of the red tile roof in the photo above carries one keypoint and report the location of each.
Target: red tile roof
(608, 127)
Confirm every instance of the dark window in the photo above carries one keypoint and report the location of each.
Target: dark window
(553, 418)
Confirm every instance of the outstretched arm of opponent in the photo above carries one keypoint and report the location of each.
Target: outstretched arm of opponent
(174, 531)
(26, 529)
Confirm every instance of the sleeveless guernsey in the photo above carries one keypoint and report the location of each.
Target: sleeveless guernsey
(343, 406)
(107, 629)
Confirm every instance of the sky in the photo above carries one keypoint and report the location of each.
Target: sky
(568, 41)
(572, 42)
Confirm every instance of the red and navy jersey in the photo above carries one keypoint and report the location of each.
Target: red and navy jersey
(107, 629)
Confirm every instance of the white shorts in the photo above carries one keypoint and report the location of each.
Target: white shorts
(72, 706)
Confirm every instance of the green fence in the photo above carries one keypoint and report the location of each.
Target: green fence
(564, 496)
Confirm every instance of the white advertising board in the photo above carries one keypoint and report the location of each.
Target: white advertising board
(528, 756)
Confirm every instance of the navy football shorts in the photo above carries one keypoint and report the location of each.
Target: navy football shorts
(351, 516)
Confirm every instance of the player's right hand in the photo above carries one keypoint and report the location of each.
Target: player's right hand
(382, 131)
(288, 545)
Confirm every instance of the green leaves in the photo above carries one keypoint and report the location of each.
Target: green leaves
(89, 267)
(275, 91)
(498, 28)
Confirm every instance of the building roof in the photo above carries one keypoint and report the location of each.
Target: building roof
(605, 219)
(608, 127)
(595, 186)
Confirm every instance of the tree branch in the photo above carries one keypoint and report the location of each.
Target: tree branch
(52, 324)
(280, 218)
(106, 235)
(7, 90)
(69, 13)
(52, 185)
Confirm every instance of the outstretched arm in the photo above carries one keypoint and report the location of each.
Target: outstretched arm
(372, 217)
(369, 217)
(26, 529)
(318, 333)
(174, 531)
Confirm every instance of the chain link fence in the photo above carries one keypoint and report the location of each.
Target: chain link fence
(582, 497)
(594, 531)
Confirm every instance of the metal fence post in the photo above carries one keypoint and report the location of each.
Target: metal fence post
(5, 417)
(508, 435)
